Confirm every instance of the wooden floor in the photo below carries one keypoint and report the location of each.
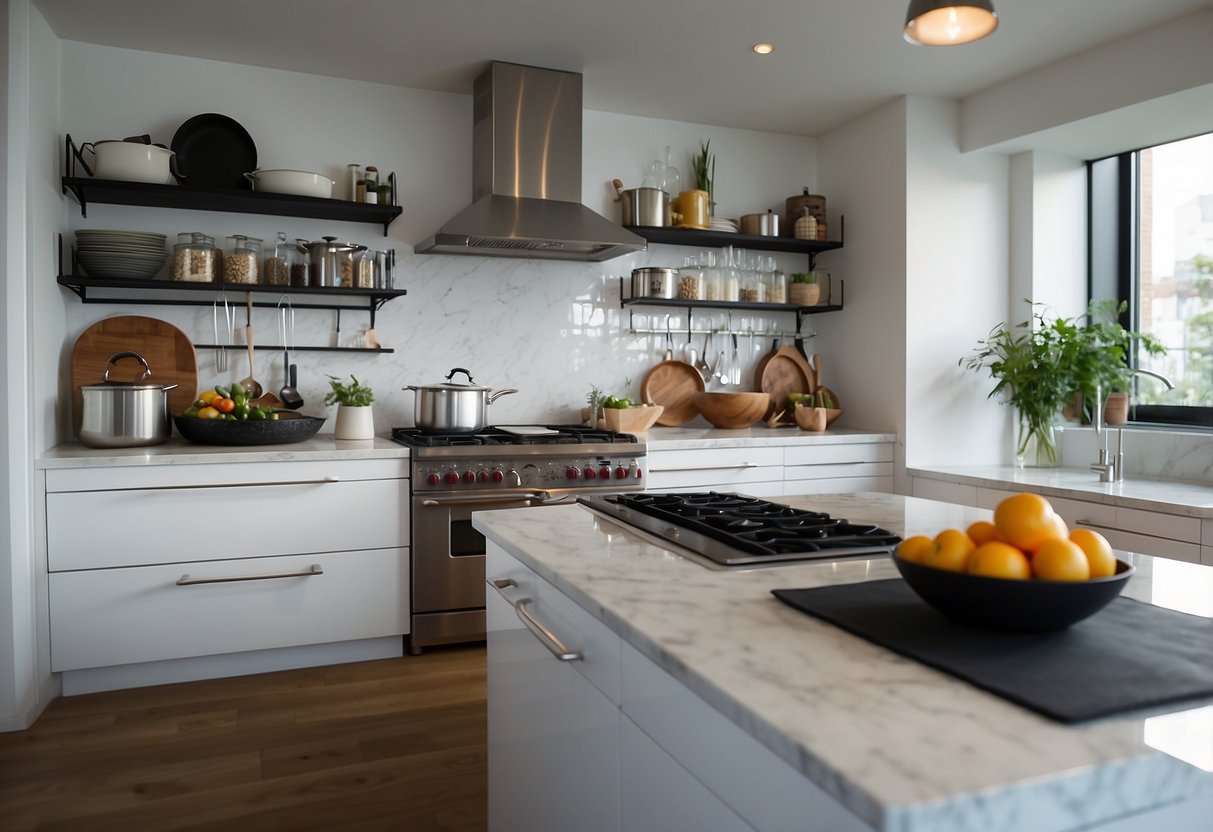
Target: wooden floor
(398, 744)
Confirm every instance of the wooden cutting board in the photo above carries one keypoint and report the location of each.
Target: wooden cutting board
(786, 372)
(169, 353)
(673, 385)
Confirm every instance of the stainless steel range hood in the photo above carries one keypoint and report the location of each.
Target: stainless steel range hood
(526, 174)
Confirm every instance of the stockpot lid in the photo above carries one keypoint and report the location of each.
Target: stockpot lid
(453, 385)
(329, 245)
(106, 384)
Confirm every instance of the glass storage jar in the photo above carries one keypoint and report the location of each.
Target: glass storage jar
(364, 269)
(690, 281)
(752, 290)
(776, 281)
(275, 269)
(195, 258)
(241, 259)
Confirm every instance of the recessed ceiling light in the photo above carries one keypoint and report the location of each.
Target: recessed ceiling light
(763, 48)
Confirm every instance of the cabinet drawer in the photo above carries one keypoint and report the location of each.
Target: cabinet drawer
(222, 472)
(840, 485)
(837, 470)
(838, 454)
(723, 467)
(106, 617)
(572, 625)
(1145, 544)
(135, 527)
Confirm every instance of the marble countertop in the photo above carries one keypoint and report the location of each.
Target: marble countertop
(668, 439)
(177, 451)
(900, 745)
(1169, 496)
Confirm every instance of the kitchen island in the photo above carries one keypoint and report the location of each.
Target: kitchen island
(718, 707)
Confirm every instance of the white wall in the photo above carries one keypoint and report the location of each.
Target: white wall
(550, 329)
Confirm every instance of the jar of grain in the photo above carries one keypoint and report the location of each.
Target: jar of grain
(195, 258)
(690, 281)
(364, 269)
(241, 259)
(275, 269)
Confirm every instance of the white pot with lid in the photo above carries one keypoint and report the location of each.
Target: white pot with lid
(130, 161)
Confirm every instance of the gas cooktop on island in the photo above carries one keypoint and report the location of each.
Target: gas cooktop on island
(735, 530)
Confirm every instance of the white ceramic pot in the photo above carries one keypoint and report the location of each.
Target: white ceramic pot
(354, 422)
(131, 162)
(294, 182)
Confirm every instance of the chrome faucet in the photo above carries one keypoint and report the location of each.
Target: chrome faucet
(1109, 468)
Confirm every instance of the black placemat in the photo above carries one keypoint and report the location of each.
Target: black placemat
(1128, 655)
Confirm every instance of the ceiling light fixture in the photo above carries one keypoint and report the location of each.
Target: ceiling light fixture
(944, 23)
(763, 48)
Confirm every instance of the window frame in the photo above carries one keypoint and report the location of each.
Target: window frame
(1112, 267)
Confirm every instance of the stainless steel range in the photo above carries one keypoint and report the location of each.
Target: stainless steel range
(736, 530)
(454, 474)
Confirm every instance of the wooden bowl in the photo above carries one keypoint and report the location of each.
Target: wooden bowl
(815, 418)
(732, 411)
(636, 419)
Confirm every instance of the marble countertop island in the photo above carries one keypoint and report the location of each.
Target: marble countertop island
(900, 745)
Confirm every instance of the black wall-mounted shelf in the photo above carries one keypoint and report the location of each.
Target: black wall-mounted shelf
(86, 189)
(720, 239)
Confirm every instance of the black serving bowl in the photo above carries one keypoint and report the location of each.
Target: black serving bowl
(1013, 606)
(288, 427)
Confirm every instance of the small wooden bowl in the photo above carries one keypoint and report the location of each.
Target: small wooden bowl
(732, 411)
(636, 419)
(815, 418)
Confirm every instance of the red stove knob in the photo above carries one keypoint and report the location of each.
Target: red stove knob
(469, 476)
(433, 479)
(621, 473)
(591, 474)
(452, 477)
(605, 473)
(573, 473)
(639, 473)
(483, 476)
(498, 476)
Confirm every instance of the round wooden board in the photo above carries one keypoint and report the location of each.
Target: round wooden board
(168, 351)
(786, 372)
(673, 385)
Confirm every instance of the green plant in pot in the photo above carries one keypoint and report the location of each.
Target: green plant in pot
(355, 419)
(1101, 352)
(803, 289)
(704, 167)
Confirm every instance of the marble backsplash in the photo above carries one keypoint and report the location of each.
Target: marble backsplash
(1149, 452)
(551, 329)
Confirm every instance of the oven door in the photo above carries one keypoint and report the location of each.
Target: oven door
(448, 554)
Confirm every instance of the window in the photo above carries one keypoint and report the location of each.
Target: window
(1151, 245)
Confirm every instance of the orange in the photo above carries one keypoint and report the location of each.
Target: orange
(913, 548)
(950, 550)
(1062, 528)
(1060, 560)
(208, 413)
(1026, 521)
(982, 532)
(1000, 560)
(1098, 551)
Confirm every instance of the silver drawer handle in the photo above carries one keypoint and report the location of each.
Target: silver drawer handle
(546, 637)
(1091, 525)
(485, 500)
(186, 580)
(321, 481)
(708, 468)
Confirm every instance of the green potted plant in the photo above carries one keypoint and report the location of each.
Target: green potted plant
(355, 419)
(704, 166)
(803, 289)
(1101, 358)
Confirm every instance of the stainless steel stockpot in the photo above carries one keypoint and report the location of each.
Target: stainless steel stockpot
(654, 282)
(331, 262)
(454, 407)
(645, 206)
(125, 414)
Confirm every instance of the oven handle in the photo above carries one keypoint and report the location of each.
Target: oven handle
(546, 637)
(540, 496)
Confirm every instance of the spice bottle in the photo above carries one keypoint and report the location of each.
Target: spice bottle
(355, 176)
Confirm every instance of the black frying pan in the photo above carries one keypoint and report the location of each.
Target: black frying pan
(214, 151)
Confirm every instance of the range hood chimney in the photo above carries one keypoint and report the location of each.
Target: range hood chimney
(526, 174)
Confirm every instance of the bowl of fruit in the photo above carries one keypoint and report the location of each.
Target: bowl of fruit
(224, 416)
(1025, 572)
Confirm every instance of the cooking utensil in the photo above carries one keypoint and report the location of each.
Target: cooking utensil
(762, 225)
(673, 385)
(454, 407)
(643, 206)
(330, 263)
(294, 182)
(654, 282)
(214, 151)
(669, 342)
(835, 411)
(735, 364)
(785, 372)
(704, 368)
(163, 345)
(124, 414)
(290, 396)
(131, 162)
(252, 387)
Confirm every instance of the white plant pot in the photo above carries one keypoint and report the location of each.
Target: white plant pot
(355, 422)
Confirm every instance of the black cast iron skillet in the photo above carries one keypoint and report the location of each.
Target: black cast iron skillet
(214, 151)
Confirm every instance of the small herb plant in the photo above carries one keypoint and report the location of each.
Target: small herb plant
(704, 166)
(804, 277)
(355, 394)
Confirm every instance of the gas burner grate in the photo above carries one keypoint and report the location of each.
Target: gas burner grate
(563, 435)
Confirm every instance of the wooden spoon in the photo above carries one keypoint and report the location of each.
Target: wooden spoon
(252, 387)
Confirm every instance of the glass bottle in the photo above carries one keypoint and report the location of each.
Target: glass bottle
(730, 278)
(711, 276)
(275, 270)
(776, 281)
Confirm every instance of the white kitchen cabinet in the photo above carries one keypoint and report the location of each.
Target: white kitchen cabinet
(553, 735)
(836, 469)
(750, 469)
(154, 565)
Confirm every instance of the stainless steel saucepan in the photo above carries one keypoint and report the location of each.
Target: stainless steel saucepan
(123, 414)
(454, 407)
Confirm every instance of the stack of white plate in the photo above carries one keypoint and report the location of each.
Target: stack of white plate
(725, 224)
(121, 254)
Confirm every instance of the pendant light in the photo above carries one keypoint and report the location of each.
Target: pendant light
(945, 23)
